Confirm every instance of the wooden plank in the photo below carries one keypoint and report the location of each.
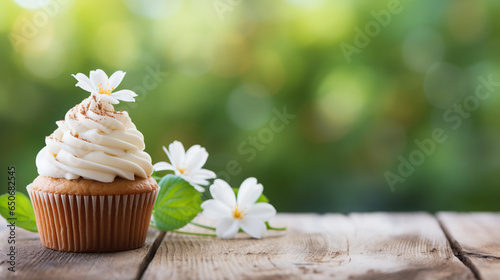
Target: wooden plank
(33, 261)
(477, 237)
(358, 246)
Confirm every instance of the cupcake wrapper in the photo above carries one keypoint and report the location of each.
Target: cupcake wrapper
(106, 223)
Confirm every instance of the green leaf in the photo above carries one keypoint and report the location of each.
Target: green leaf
(23, 211)
(177, 204)
(262, 197)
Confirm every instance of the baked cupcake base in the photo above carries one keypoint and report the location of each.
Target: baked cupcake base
(88, 219)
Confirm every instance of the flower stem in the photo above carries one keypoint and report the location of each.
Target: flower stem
(185, 232)
(273, 228)
(268, 226)
(202, 226)
(193, 233)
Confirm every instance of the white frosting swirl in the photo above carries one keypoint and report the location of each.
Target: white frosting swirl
(95, 142)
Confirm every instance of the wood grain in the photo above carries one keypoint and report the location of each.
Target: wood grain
(33, 261)
(358, 246)
(477, 237)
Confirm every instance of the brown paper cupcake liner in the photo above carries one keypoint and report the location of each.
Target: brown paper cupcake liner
(105, 223)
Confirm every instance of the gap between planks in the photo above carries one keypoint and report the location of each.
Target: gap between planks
(474, 235)
(150, 255)
(458, 252)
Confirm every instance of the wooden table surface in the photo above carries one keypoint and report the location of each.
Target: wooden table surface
(331, 246)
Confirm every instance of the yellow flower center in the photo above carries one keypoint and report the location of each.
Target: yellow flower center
(182, 170)
(102, 90)
(238, 214)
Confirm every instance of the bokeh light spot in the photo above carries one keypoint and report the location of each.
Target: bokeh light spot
(155, 9)
(32, 4)
(340, 101)
(49, 65)
(30, 35)
(5, 21)
(422, 48)
(310, 4)
(337, 19)
(249, 106)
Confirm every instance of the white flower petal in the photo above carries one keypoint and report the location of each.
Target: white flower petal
(193, 149)
(196, 157)
(253, 227)
(116, 79)
(215, 210)
(249, 192)
(203, 173)
(200, 175)
(195, 176)
(227, 228)
(192, 180)
(168, 155)
(98, 77)
(84, 82)
(161, 166)
(177, 154)
(125, 95)
(205, 203)
(221, 191)
(263, 211)
(108, 98)
(198, 188)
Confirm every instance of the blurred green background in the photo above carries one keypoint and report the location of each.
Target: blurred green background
(364, 80)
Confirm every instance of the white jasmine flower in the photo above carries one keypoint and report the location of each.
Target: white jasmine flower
(100, 86)
(188, 165)
(234, 213)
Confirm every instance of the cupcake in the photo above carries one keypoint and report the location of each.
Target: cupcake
(94, 192)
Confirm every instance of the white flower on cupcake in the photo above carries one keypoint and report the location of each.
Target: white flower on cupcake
(188, 165)
(234, 213)
(100, 86)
